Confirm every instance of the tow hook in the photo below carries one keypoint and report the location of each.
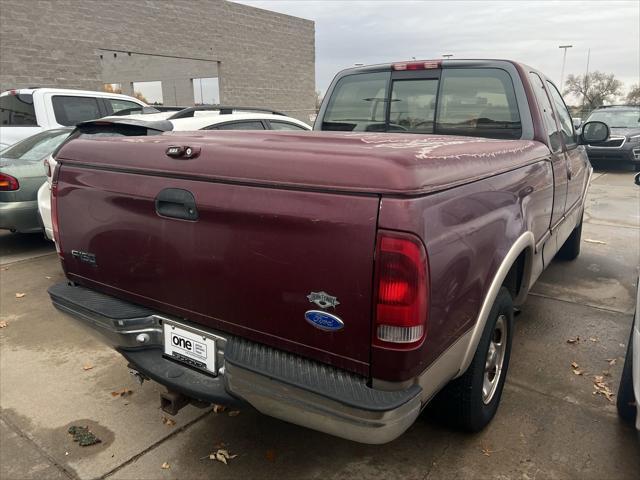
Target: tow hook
(140, 378)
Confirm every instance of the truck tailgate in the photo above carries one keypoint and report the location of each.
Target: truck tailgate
(246, 265)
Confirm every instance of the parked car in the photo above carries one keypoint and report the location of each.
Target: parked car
(27, 111)
(21, 174)
(623, 147)
(336, 280)
(629, 391)
(153, 121)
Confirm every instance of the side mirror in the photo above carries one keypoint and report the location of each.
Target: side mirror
(594, 132)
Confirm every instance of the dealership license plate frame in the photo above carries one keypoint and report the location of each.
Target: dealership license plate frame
(194, 358)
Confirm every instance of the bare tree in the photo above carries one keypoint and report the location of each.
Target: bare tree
(633, 97)
(595, 88)
(318, 100)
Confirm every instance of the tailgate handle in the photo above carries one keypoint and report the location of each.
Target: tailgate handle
(176, 203)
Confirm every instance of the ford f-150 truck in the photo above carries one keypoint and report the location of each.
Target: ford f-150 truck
(337, 280)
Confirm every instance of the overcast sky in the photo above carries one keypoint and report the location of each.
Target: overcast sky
(349, 32)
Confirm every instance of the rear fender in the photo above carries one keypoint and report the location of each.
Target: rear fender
(524, 243)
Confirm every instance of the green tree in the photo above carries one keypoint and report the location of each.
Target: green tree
(594, 88)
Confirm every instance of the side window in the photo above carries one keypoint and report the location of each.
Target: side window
(413, 105)
(285, 126)
(17, 110)
(72, 110)
(117, 104)
(547, 112)
(358, 102)
(563, 115)
(480, 102)
(252, 125)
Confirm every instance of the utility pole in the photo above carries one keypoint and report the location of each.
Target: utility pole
(586, 81)
(564, 61)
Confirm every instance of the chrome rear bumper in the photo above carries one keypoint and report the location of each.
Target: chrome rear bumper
(276, 383)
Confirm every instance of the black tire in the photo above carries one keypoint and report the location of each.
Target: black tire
(461, 403)
(571, 247)
(626, 399)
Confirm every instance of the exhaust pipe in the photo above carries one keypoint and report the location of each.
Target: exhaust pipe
(172, 402)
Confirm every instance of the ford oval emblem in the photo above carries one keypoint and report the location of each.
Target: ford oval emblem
(323, 320)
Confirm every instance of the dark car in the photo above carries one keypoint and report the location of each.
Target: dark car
(623, 147)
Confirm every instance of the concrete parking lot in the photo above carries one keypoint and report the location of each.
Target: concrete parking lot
(551, 423)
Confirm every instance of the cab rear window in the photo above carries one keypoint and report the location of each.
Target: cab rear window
(478, 102)
(17, 111)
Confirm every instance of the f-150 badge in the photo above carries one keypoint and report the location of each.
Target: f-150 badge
(323, 299)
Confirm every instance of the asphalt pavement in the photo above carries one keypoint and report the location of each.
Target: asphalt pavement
(551, 423)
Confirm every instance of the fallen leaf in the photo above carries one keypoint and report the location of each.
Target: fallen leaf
(88, 366)
(270, 455)
(576, 368)
(3, 324)
(573, 340)
(612, 361)
(4, 269)
(165, 466)
(486, 451)
(602, 388)
(168, 421)
(20, 295)
(221, 455)
(593, 339)
(122, 393)
(218, 408)
(48, 277)
(599, 242)
(234, 413)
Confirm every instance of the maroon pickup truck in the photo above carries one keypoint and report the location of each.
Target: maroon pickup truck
(339, 279)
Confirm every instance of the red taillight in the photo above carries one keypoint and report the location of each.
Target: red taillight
(8, 183)
(421, 65)
(402, 289)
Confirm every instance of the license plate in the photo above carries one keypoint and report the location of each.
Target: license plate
(190, 346)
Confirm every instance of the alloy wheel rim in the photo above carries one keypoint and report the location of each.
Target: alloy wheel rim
(495, 359)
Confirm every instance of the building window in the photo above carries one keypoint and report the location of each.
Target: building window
(206, 91)
(148, 92)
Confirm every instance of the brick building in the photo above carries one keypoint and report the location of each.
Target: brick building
(251, 56)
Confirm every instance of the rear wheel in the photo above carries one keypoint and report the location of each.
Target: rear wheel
(471, 401)
(571, 247)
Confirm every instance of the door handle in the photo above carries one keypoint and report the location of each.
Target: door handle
(176, 203)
